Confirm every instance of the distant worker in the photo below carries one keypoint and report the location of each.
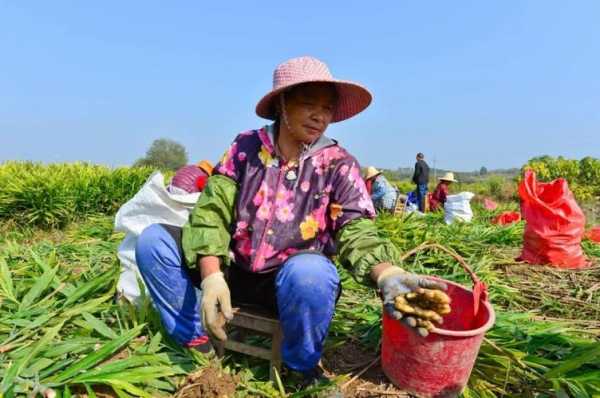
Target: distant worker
(421, 179)
(438, 197)
(383, 194)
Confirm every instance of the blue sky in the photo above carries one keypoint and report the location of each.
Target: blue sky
(469, 83)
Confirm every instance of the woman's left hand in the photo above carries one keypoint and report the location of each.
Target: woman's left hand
(394, 282)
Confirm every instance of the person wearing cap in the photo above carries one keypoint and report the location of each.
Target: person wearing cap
(284, 199)
(383, 194)
(421, 179)
(191, 178)
(438, 196)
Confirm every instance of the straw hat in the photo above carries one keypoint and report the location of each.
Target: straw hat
(205, 166)
(449, 176)
(352, 97)
(371, 172)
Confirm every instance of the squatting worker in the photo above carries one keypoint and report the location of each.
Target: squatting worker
(438, 198)
(284, 198)
(383, 194)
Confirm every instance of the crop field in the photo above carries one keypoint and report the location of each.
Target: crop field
(63, 332)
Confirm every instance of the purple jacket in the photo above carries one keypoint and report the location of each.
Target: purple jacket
(284, 208)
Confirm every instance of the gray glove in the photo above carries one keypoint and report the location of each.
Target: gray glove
(394, 281)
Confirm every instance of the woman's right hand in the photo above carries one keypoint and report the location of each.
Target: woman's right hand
(216, 304)
(215, 307)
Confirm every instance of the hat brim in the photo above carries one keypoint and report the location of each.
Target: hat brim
(446, 179)
(368, 177)
(352, 99)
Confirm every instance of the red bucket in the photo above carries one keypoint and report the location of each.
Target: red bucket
(440, 364)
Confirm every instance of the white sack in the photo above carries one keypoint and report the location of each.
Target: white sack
(152, 204)
(458, 207)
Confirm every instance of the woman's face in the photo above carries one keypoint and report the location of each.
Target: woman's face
(309, 109)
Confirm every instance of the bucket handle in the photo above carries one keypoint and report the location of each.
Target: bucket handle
(480, 292)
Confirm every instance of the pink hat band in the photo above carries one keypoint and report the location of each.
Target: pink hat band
(190, 178)
(353, 98)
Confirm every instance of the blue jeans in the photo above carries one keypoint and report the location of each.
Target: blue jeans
(421, 195)
(306, 287)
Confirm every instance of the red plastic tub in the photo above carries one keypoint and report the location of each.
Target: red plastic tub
(440, 364)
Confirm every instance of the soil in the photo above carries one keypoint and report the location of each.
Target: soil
(209, 382)
(352, 359)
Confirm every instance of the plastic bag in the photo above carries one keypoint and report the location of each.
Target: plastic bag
(412, 198)
(411, 208)
(555, 223)
(458, 207)
(506, 218)
(593, 234)
(489, 204)
(152, 204)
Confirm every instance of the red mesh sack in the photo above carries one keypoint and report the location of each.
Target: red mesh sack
(506, 218)
(555, 224)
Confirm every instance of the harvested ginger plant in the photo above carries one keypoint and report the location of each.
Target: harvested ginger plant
(425, 306)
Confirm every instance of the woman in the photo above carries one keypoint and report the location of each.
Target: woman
(383, 194)
(283, 199)
(437, 198)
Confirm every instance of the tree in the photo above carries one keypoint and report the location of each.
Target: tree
(483, 171)
(164, 154)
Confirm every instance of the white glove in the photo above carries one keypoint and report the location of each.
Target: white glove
(216, 304)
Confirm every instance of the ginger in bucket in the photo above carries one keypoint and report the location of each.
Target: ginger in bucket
(425, 306)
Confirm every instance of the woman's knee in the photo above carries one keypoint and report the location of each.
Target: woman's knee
(309, 273)
(153, 245)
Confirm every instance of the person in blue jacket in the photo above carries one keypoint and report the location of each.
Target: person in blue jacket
(383, 194)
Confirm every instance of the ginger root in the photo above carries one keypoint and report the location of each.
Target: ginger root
(427, 306)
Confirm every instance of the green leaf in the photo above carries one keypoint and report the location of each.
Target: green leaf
(89, 287)
(56, 367)
(39, 365)
(38, 260)
(6, 282)
(38, 288)
(130, 388)
(118, 366)
(18, 366)
(574, 362)
(91, 305)
(94, 358)
(71, 346)
(99, 326)
(154, 345)
(137, 375)
(90, 391)
(36, 323)
(120, 393)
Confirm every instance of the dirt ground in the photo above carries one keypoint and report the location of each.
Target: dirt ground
(366, 379)
(355, 360)
(209, 382)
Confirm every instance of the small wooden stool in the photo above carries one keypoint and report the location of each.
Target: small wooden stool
(399, 206)
(259, 323)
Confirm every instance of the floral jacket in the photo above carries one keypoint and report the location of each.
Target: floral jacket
(264, 210)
